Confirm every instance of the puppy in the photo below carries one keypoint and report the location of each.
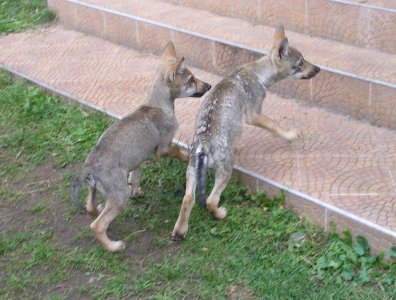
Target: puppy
(128, 143)
(219, 122)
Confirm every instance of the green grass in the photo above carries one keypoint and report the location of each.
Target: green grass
(248, 254)
(18, 15)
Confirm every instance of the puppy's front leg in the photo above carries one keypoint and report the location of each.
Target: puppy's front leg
(173, 151)
(266, 123)
(90, 206)
(134, 183)
(178, 153)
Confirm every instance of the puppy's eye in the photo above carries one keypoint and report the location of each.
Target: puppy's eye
(301, 63)
(191, 80)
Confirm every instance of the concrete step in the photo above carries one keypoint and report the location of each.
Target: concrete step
(369, 24)
(340, 170)
(360, 83)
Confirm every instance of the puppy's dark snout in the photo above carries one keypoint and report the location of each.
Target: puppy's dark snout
(205, 87)
(316, 69)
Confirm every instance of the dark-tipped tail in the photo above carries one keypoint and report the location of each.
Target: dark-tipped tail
(78, 182)
(201, 172)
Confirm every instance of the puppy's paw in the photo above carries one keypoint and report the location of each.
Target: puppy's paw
(179, 231)
(115, 246)
(177, 236)
(292, 135)
(137, 192)
(93, 212)
(221, 213)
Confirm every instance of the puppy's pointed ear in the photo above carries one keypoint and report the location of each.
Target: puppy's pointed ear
(279, 35)
(283, 49)
(181, 66)
(174, 69)
(280, 43)
(169, 51)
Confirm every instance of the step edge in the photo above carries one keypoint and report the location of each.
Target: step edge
(370, 6)
(226, 42)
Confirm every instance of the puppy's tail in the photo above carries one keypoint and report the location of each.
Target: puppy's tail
(78, 182)
(201, 165)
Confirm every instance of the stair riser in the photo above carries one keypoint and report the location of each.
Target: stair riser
(358, 98)
(350, 23)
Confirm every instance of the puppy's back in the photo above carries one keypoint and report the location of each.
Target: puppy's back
(128, 142)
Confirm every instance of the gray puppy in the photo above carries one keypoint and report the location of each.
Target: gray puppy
(219, 122)
(128, 143)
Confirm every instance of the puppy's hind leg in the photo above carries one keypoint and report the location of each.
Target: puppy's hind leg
(117, 198)
(181, 226)
(222, 177)
(102, 222)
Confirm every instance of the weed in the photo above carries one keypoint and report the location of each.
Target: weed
(352, 261)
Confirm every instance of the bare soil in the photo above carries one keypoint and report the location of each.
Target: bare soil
(40, 186)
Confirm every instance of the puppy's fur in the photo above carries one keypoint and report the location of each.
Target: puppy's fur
(128, 143)
(219, 122)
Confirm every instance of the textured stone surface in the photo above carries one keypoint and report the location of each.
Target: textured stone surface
(197, 51)
(371, 64)
(89, 20)
(289, 13)
(341, 93)
(342, 162)
(333, 20)
(377, 29)
(350, 82)
(383, 106)
(368, 23)
(121, 30)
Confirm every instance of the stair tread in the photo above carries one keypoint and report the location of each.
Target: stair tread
(344, 163)
(361, 63)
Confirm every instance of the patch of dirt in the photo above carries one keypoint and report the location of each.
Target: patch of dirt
(40, 186)
(239, 291)
(31, 189)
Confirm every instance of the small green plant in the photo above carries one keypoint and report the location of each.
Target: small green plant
(352, 261)
(240, 194)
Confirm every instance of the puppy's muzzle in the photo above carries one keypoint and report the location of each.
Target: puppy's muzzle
(205, 88)
(311, 74)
